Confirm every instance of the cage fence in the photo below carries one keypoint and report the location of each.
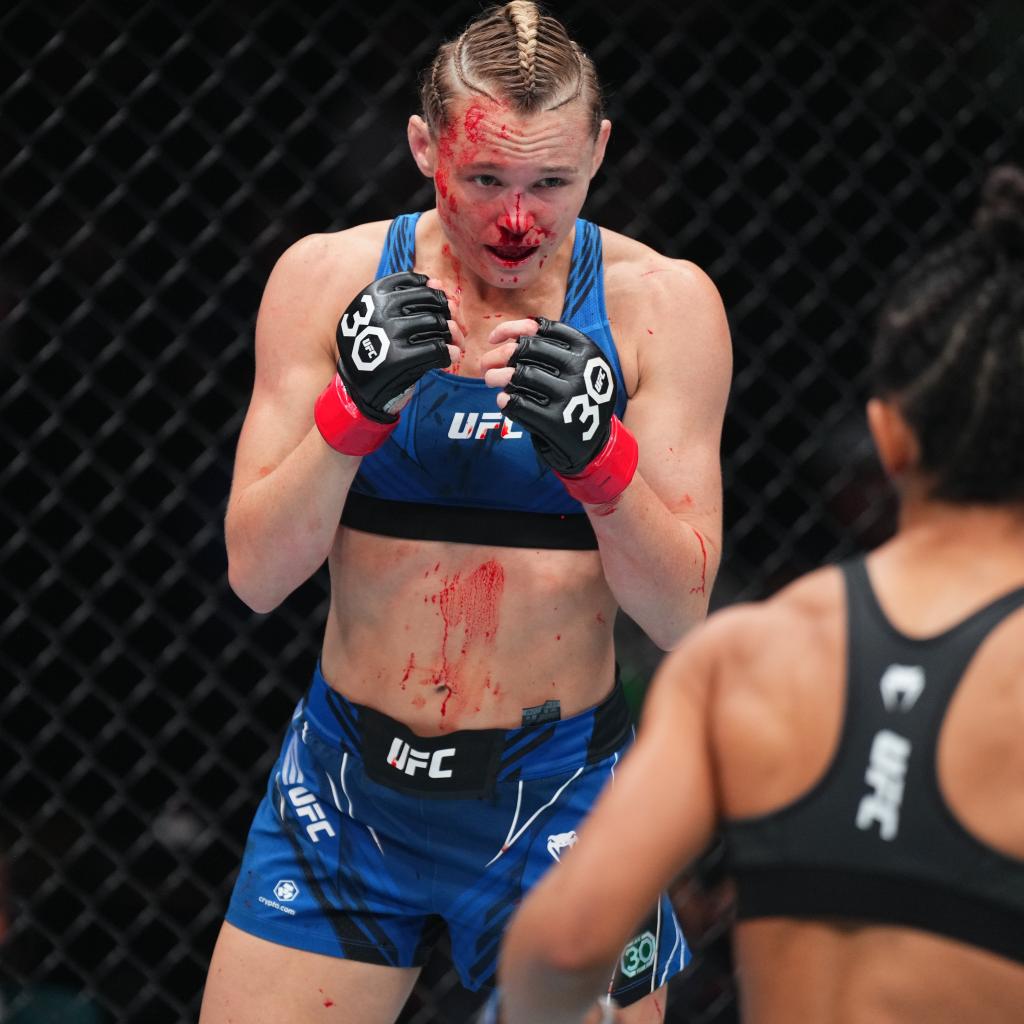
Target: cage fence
(156, 161)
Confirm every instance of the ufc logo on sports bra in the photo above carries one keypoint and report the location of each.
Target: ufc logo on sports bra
(597, 379)
(886, 773)
(405, 759)
(371, 343)
(466, 425)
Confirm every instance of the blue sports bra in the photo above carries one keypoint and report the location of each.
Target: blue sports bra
(455, 469)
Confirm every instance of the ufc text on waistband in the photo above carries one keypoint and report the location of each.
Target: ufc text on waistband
(459, 765)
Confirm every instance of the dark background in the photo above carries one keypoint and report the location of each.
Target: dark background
(155, 162)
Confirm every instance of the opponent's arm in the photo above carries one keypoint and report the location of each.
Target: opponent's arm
(657, 815)
(651, 484)
(301, 443)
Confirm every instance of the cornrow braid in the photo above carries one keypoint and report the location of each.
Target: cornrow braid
(950, 352)
(516, 53)
(581, 79)
(460, 70)
(432, 93)
(524, 19)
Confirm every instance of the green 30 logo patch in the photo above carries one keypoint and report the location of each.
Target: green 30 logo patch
(638, 955)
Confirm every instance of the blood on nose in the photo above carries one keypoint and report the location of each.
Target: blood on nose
(517, 220)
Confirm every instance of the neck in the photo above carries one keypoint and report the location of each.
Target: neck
(944, 526)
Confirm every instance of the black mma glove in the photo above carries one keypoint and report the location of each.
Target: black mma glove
(391, 334)
(563, 393)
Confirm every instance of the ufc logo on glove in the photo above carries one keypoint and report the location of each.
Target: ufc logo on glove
(597, 379)
(561, 378)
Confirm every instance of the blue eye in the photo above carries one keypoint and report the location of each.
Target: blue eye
(487, 180)
(552, 183)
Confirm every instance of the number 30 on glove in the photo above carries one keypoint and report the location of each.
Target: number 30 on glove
(392, 333)
(563, 392)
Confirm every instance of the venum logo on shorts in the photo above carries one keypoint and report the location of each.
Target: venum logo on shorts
(405, 759)
(473, 425)
(306, 806)
(638, 955)
(561, 841)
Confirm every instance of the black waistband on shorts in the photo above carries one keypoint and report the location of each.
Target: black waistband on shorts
(466, 762)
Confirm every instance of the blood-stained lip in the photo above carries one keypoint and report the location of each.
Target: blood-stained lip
(512, 255)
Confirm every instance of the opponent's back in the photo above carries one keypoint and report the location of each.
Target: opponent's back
(872, 783)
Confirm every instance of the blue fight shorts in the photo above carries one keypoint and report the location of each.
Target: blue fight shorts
(371, 839)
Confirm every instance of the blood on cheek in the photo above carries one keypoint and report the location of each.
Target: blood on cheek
(445, 156)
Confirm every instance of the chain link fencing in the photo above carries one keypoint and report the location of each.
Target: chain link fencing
(157, 159)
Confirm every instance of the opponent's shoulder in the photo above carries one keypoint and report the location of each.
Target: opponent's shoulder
(782, 626)
(755, 655)
(811, 604)
(748, 664)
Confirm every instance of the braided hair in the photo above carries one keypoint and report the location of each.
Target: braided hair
(950, 352)
(515, 53)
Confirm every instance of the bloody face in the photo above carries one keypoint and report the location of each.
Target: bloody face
(510, 186)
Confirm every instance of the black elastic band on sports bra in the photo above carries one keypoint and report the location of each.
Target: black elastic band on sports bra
(415, 520)
(811, 892)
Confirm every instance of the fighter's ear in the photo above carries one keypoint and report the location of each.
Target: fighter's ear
(600, 145)
(424, 152)
(898, 447)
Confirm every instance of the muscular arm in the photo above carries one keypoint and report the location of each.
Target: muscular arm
(659, 530)
(661, 541)
(289, 486)
(656, 816)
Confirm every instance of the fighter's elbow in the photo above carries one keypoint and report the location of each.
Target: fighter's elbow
(665, 640)
(580, 958)
(667, 623)
(668, 635)
(250, 590)
(579, 943)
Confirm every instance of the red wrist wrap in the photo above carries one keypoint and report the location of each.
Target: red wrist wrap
(609, 472)
(343, 426)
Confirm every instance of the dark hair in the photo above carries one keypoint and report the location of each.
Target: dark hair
(950, 351)
(516, 53)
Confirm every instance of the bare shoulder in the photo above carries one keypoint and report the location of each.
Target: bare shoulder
(667, 318)
(633, 269)
(744, 637)
(812, 596)
(331, 259)
(308, 289)
(801, 610)
(746, 666)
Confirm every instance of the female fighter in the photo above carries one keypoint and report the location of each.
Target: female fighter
(506, 435)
